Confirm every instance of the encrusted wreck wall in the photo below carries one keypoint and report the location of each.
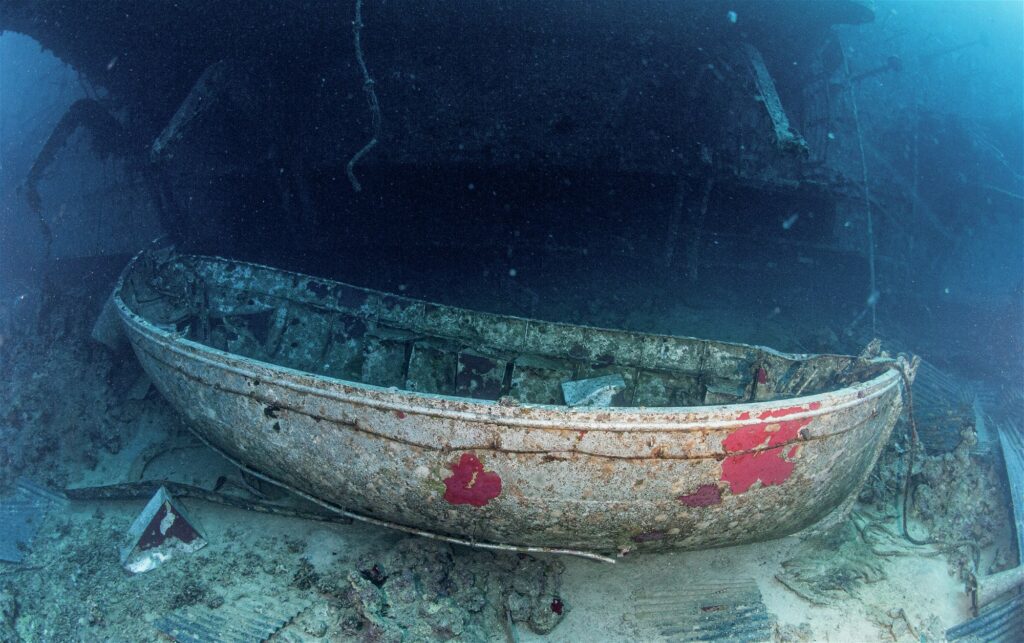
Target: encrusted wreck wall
(709, 144)
(238, 106)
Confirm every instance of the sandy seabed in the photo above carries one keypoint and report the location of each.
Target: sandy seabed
(73, 415)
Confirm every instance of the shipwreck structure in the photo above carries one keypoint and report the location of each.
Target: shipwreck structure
(701, 143)
(247, 119)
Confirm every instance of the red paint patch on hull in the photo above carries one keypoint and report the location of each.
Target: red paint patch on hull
(469, 484)
(742, 471)
(769, 465)
(705, 496)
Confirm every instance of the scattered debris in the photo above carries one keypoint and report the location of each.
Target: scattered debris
(62, 403)
(801, 633)
(251, 619)
(1001, 623)
(835, 571)
(707, 610)
(20, 517)
(596, 391)
(985, 590)
(161, 531)
(425, 590)
(108, 330)
(957, 497)
(896, 623)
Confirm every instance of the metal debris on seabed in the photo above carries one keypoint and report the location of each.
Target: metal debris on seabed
(162, 531)
(1000, 623)
(247, 620)
(1011, 440)
(706, 610)
(21, 515)
(989, 589)
(942, 404)
(595, 391)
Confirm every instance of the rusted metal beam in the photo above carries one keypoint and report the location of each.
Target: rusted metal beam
(786, 137)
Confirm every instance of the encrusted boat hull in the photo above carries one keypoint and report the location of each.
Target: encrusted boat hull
(529, 475)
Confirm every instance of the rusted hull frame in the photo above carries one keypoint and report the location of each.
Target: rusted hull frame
(608, 480)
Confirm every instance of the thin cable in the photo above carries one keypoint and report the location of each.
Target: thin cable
(873, 295)
(145, 489)
(914, 441)
(910, 460)
(371, 98)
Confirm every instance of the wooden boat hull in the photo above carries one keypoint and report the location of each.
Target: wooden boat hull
(603, 480)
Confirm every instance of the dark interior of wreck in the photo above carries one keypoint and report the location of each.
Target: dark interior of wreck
(509, 155)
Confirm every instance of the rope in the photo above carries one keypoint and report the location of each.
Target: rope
(371, 98)
(910, 458)
(873, 293)
(146, 488)
(468, 542)
(907, 487)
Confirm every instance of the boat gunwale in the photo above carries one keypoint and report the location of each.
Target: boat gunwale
(795, 357)
(519, 415)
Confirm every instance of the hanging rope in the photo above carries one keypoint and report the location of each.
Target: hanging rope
(371, 98)
(873, 292)
(908, 486)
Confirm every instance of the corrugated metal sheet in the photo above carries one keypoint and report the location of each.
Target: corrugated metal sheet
(989, 412)
(1003, 623)
(1011, 439)
(20, 517)
(249, 620)
(942, 405)
(707, 610)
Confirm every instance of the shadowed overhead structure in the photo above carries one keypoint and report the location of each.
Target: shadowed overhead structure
(270, 92)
